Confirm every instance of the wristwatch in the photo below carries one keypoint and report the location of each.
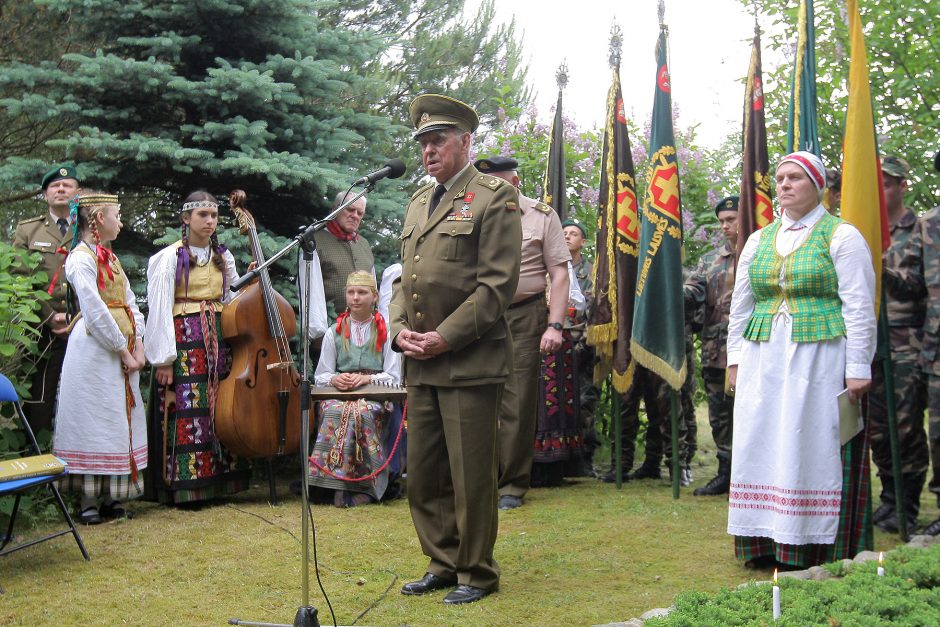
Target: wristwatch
(555, 325)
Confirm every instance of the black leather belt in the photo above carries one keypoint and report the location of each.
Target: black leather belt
(526, 301)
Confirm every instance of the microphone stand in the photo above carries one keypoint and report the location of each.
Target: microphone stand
(306, 615)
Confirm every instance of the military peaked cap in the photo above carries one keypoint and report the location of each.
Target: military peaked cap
(434, 112)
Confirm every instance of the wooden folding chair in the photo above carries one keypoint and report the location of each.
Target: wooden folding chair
(16, 487)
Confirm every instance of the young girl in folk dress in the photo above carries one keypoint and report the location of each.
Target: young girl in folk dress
(355, 352)
(100, 429)
(187, 284)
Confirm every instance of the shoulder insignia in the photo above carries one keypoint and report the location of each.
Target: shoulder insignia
(491, 182)
(511, 206)
(541, 206)
(422, 189)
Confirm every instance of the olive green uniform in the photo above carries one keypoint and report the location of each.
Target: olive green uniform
(460, 268)
(42, 235)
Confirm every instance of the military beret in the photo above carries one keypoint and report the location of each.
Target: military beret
(575, 223)
(496, 164)
(64, 171)
(434, 112)
(895, 166)
(727, 204)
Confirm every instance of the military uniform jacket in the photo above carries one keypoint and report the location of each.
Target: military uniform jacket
(905, 312)
(708, 297)
(460, 268)
(41, 235)
(918, 275)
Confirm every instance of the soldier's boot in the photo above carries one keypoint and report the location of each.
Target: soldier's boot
(720, 483)
(913, 484)
(648, 470)
(886, 509)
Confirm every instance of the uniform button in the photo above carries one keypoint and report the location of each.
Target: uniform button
(453, 231)
(417, 257)
(419, 315)
(421, 239)
(414, 297)
(414, 277)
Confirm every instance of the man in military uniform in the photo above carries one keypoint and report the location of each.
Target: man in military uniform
(49, 235)
(708, 294)
(905, 322)
(460, 250)
(918, 276)
(534, 330)
(576, 323)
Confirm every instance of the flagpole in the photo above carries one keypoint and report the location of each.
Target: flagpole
(884, 351)
(618, 434)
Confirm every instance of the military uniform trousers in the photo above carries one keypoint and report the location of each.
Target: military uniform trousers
(655, 393)
(44, 387)
(933, 430)
(720, 410)
(452, 479)
(910, 401)
(518, 411)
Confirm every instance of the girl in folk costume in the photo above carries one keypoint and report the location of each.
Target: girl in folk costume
(348, 456)
(187, 284)
(801, 330)
(100, 429)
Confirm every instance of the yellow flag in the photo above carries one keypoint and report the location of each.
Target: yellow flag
(863, 203)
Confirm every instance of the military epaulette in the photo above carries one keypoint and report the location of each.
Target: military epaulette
(31, 220)
(423, 189)
(541, 206)
(492, 182)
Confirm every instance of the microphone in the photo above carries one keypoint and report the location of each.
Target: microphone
(392, 169)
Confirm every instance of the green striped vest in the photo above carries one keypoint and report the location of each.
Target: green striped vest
(811, 286)
(352, 358)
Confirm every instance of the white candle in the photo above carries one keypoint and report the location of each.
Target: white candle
(776, 597)
(881, 561)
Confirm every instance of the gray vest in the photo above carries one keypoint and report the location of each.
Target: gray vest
(337, 260)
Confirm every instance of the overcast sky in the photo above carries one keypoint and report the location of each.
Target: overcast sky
(710, 47)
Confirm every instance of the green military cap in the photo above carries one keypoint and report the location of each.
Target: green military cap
(895, 166)
(434, 112)
(727, 204)
(575, 223)
(496, 164)
(64, 171)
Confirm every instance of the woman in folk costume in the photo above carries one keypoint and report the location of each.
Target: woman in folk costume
(801, 330)
(348, 456)
(187, 284)
(100, 429)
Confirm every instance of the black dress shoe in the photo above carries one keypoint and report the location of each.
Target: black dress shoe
(465, 594)
(429, 583)
(508, 501)
(647, 471)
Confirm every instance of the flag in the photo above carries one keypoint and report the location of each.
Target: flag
(755, 209)
(554, 191)
(863, 203)
(802, 132)
(658, 341)
(618, 235)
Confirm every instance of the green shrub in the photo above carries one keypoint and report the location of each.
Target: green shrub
(907, 595)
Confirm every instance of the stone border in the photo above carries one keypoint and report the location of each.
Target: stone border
(814, 573)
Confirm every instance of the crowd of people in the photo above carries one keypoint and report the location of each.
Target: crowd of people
(485, 319)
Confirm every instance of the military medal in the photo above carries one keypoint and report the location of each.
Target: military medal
(465, 213)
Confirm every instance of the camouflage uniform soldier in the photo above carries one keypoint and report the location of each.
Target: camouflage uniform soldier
(919, 275)
(48, 235)
(905, 322)
(708, 293)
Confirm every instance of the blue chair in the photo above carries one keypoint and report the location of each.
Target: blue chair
(17, 487)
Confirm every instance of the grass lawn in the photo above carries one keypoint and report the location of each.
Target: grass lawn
(581, 554)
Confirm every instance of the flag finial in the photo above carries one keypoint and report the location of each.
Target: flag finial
(561, 75)
(616, 45)
(662, 13)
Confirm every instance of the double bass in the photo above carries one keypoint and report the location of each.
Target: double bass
(258, 406)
